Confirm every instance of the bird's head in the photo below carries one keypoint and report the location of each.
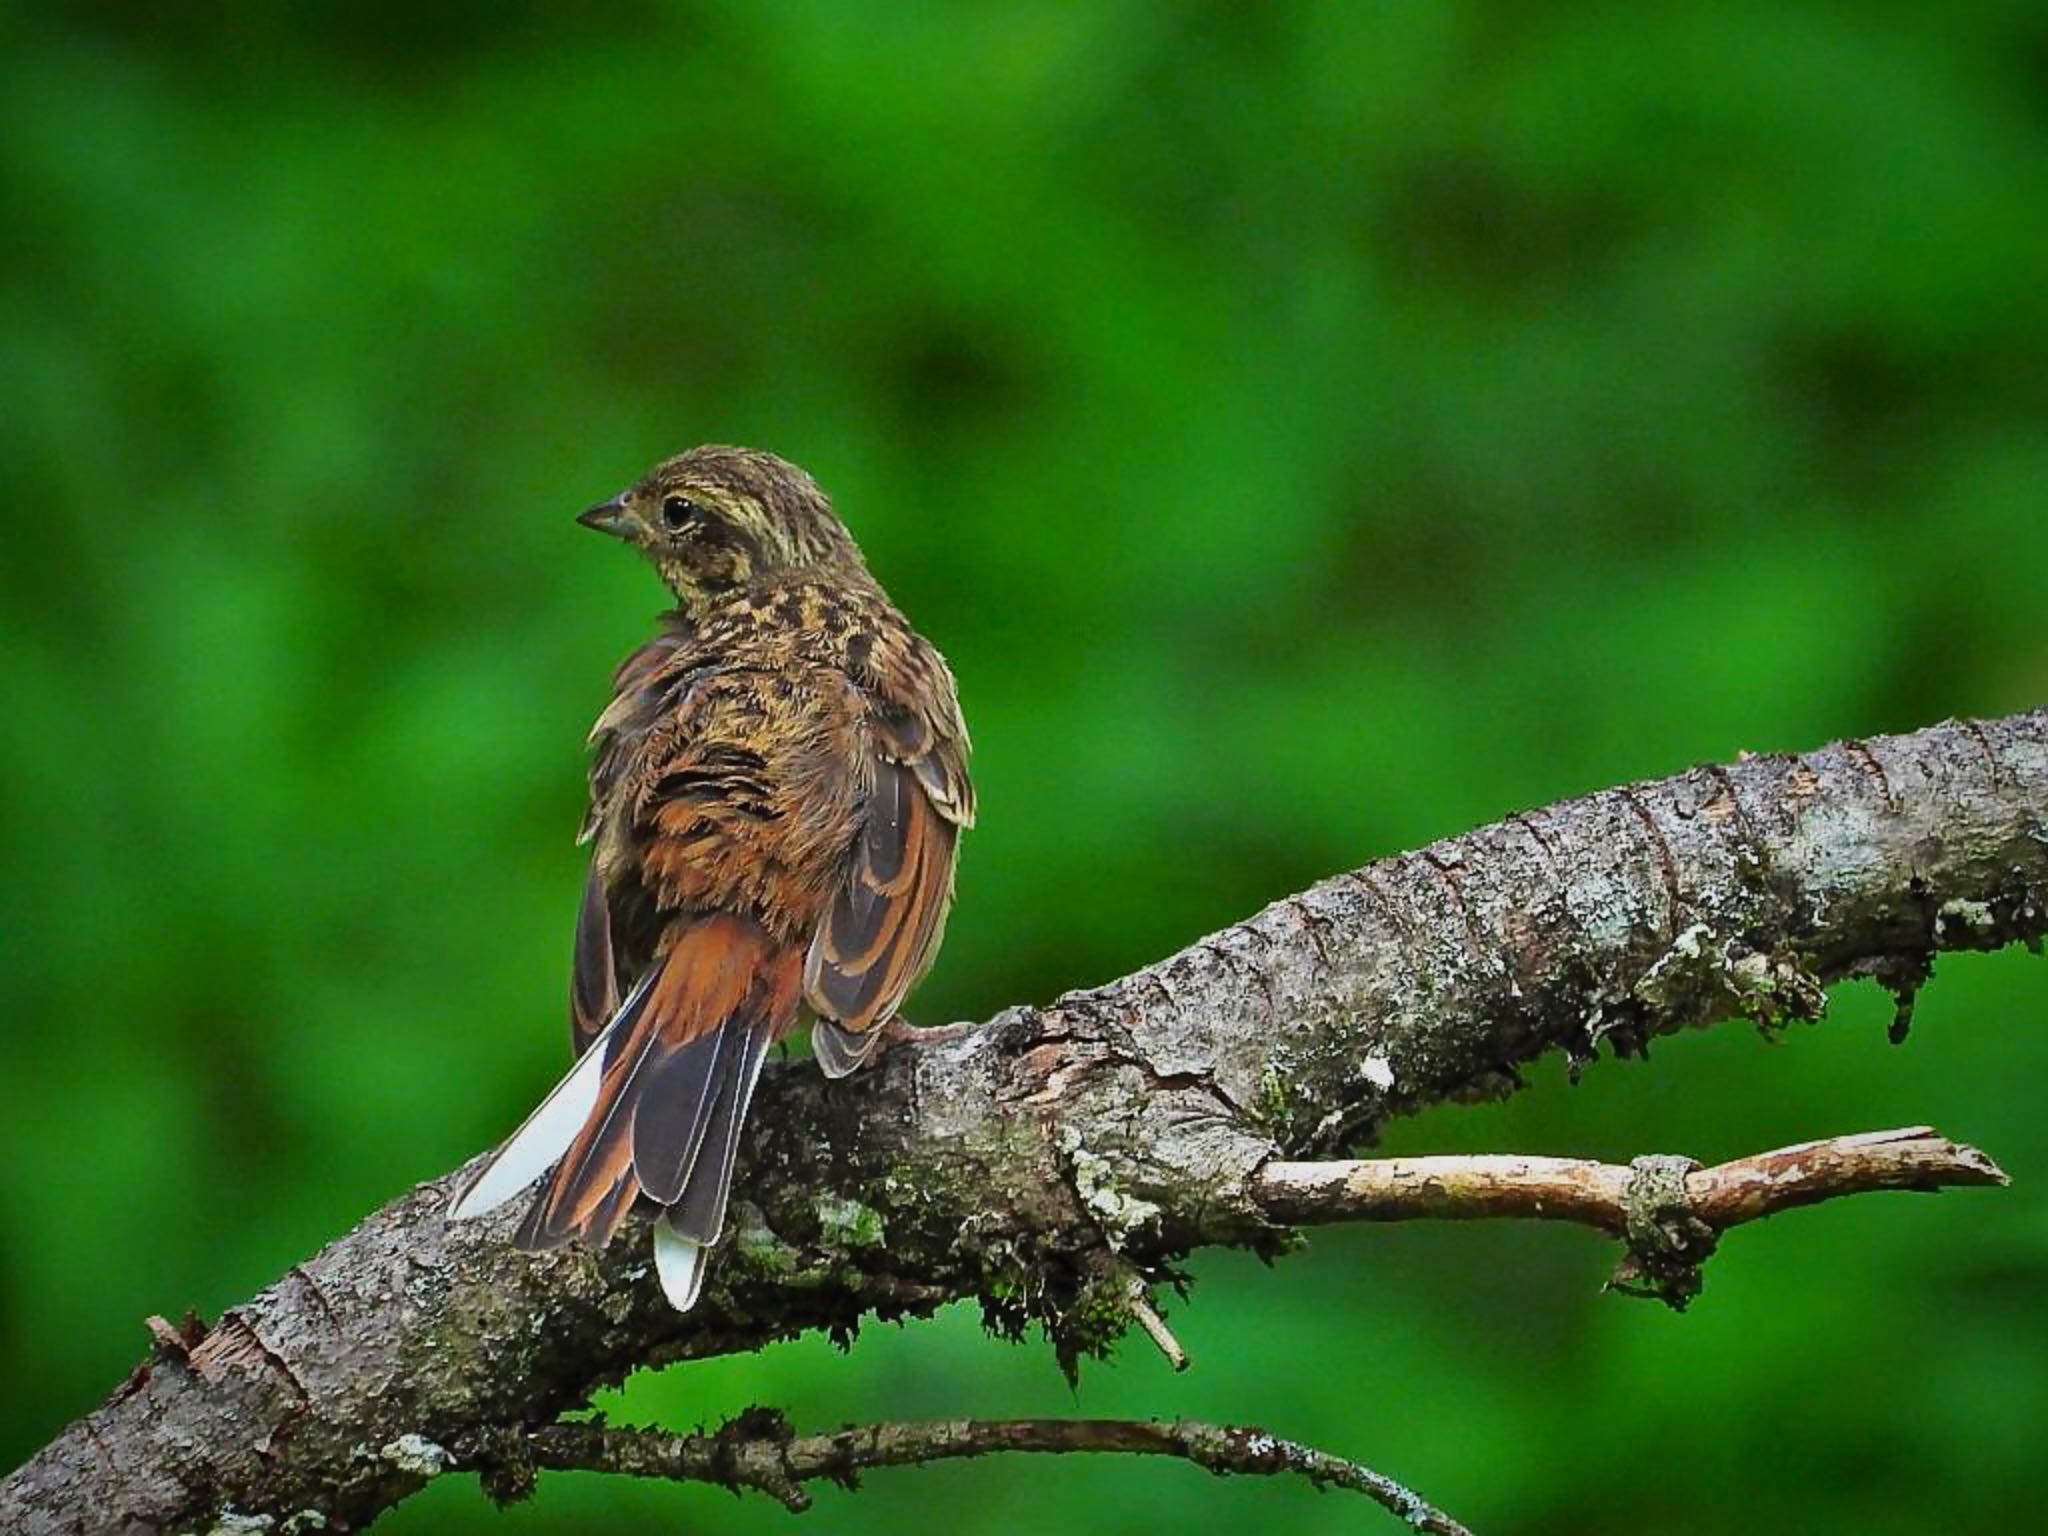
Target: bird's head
(716, 520)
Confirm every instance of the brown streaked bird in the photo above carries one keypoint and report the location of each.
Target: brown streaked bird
(776, 798)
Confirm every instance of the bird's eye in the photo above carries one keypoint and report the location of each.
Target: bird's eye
(676, 511)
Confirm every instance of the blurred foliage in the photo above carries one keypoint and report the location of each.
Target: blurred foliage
(1310, 430)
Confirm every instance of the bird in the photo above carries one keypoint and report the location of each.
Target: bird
(777, 792)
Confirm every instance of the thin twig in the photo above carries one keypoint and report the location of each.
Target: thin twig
(1669, 1210)
(758, 1450)
(1155, 1327)
(1597, 1194)
(1914, 1158)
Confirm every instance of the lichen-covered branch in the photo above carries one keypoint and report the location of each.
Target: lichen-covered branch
(1043, 1161)
(1670, 1209)
(759, 1451)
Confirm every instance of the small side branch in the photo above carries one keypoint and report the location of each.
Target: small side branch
(759, 1450)
(1915, 1158)
(1155, 1327)
(1671, 1210)
(1596, 1194)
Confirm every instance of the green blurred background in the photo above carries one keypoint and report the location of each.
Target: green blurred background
(1309, 430)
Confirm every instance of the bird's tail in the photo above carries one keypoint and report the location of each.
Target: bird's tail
(656, 1105)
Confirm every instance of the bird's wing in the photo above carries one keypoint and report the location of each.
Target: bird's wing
(641, 685)
(882, 928)
(593, 977)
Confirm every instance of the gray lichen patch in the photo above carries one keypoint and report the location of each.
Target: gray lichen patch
(1667, 1241)
(1974, 918)
(1117, 1212)
(1701, 978)
(417, 1455)
(233, 1523)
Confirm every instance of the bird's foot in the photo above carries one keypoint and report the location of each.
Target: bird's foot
(899, 1031)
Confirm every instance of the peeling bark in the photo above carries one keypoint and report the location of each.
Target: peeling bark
(1042, 1161)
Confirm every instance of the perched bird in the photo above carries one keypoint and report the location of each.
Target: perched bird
(776, 797)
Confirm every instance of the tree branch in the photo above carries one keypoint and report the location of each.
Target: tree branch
(1597, 1194)
(1041, 1161)
(1671, 1211)
(758, 1450)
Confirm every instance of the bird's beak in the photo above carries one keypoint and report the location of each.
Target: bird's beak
(608, 517)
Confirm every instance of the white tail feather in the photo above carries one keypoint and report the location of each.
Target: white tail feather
(680, 1263)
(538, 1144)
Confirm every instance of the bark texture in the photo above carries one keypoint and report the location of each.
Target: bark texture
(1043, 1160)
